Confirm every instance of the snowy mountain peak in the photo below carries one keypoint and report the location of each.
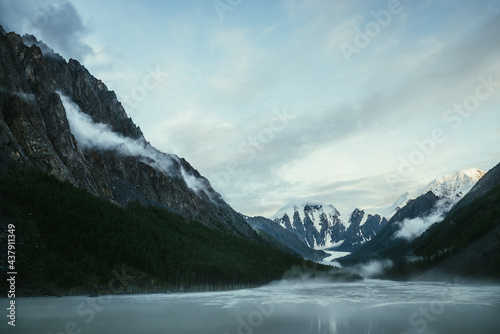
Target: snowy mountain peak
(389, 211)
(454, 186)
(324, 226)
(290, 209)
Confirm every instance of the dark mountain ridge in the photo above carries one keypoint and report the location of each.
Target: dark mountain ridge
(384, 244)
(83, 211)
(285, 237)
(35, 132)
(466, 242)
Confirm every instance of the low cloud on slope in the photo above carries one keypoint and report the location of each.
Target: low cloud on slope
(100, 136)
(413, 228)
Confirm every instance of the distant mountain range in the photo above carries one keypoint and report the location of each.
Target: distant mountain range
(459, 234)
(326, 227)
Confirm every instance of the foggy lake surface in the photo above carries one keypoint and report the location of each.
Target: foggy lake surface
(371, 306)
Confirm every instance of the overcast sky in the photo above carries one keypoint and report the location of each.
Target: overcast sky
(340, 102)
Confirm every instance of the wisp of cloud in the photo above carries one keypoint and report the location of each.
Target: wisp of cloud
(373, 268)
(90, 134)
(98, 135)
(413, 228)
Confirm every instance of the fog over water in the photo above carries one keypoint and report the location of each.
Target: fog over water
(372, 306)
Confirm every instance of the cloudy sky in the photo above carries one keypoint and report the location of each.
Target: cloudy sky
(344, 102)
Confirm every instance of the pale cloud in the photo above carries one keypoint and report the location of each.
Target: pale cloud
(56, 22)
(233, 74)
(342, 33)
(350, 122)
(413, 228)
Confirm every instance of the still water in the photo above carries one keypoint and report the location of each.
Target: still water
(372, 306)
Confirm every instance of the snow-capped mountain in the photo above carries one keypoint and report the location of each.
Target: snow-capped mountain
(424, 214)
(448, 191)
(325, 226)
(451, 187)
(454, 186)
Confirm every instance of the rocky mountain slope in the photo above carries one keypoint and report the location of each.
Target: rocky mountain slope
(37, 90)
(285, 237)
(385, 244)
(324, 226)
(465, 244)
(396, 241)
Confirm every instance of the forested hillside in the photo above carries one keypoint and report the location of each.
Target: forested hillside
(70, 240)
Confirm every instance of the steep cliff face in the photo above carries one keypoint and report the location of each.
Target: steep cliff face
(35, 90)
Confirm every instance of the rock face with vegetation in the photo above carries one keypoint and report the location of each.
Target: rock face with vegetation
(35, 132)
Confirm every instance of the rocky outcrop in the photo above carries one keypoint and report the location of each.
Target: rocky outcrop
(35, 132)
(363, 227)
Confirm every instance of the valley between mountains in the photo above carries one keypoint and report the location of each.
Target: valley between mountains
(99, 210)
